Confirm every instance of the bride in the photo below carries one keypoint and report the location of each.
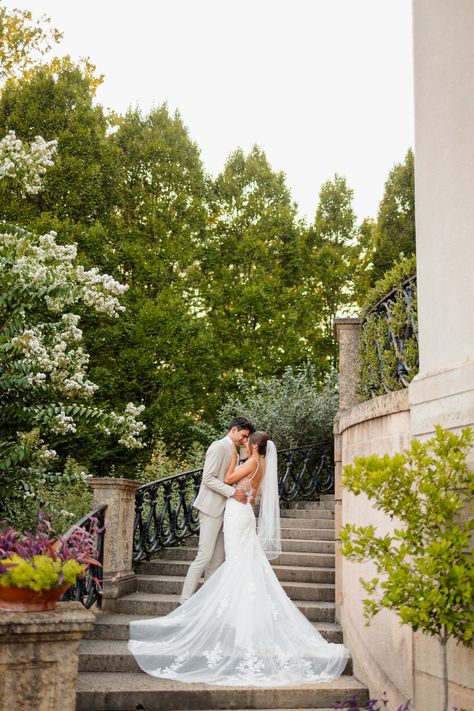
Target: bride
(240, 628)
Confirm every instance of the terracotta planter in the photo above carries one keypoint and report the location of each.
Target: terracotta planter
(25, 600)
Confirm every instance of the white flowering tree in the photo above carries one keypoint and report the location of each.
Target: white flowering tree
(44, 388)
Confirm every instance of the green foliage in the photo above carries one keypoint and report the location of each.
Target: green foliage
(40, 572)
(162, 464)
(81, 185)
(23, 41)
(425, 570)
(251, 261)
(378, 354)
(332, 264)
(294, 408)
(395, 234)
(65, 500)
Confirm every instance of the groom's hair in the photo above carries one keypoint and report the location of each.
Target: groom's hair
(242, 423)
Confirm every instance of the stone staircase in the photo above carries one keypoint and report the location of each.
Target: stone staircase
(110, 680)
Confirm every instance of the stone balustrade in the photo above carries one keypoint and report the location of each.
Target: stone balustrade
(39, 657)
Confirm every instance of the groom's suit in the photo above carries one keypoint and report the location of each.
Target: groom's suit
(210, 502)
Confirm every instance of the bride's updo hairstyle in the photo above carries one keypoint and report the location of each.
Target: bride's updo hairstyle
(260, 439)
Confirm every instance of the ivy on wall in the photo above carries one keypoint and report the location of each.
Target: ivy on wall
(389, 332)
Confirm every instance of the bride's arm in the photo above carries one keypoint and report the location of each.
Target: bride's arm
(234, 474)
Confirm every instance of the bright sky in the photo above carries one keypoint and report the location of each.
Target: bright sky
(323, 86)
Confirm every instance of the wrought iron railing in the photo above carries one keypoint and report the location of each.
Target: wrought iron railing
(306, 472)
(164, 514)
(88, 588)
(389, 342)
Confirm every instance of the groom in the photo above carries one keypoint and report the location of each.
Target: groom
(210, 502)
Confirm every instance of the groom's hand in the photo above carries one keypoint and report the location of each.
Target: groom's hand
(240, 496)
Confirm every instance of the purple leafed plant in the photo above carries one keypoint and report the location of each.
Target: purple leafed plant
(352, 704)
(79, 545)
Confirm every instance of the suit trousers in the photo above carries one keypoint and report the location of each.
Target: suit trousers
(210, 555)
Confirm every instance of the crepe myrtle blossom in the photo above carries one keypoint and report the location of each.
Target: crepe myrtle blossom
(130, 427)
(26, 164)
(43, 263)
(51, 358)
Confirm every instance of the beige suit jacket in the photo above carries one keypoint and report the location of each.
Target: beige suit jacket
(213, 493)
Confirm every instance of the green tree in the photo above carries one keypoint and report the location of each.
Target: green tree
(332, 255)
(80, 187)
(162, 351)
(395, 235)
(252, 291)
(425, 570)
(23, 41)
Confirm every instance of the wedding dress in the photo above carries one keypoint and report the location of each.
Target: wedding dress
(240, 628)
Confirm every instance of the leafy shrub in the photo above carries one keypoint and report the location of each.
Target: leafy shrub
(387, 339)
(294, 408)
(64, 501)
(162, 464)
(425, 568)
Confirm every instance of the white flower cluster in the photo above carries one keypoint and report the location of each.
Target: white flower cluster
(42, 262)
(26, 164)
(130, 428)
(49, 350)
(100, 291)
(63, 424)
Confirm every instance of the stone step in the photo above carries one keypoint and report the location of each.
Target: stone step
(114, 656)
(173, 585)
(308, 513)
(160, 604)
(298, 573)
(108, 691)
(116, 626)
(308, 534)
(323, 560)
(290, 545)
(327, 502)
(318, 523)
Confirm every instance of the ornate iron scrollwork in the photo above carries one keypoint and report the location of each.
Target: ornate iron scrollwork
(164, 513)
(306, 472)
(88, 589)
(389, 342)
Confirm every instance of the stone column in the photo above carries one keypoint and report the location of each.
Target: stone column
(119, 495)
(443, 391)
(347, 331)
(39, 657)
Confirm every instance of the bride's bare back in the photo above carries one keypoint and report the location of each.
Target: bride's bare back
(251, 484)
(246, 477)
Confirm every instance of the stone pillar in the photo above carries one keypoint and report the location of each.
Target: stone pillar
(39, 657)
(347, 331)
(119, 495)
(443, 391)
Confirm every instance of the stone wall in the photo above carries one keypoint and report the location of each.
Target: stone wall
(382, 652)
(387, 656)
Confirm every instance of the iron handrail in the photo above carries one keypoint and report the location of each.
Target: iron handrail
(88, 588)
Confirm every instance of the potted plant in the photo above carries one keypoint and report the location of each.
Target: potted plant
(37, 568)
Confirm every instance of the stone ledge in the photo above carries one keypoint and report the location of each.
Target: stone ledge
(68, 618)
(116, 484)
(381, 406)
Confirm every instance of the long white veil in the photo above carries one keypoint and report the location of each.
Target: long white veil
(269, 528)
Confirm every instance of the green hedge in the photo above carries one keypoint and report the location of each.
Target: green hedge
(389, 338)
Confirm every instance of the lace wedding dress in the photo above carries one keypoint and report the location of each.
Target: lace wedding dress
(240, 628)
